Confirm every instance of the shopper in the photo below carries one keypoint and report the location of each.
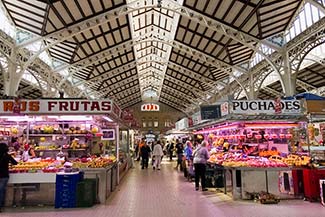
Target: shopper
(171, 150)
(166, 149)
(157, 153)
(188, 151)
(201, 155)
(179, 152)
(141, 144)
(5, 159)
(145, 153)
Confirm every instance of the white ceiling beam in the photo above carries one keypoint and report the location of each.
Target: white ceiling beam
(305, 86)
(177, 92)
(108, 89)
(272, 91)
(174, 6)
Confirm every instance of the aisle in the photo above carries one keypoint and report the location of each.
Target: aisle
(165, 193)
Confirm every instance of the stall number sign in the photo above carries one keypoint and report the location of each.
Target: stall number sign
(63, 106)
(265, 107)
(150, 107)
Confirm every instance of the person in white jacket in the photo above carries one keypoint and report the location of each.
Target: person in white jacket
(158, 154)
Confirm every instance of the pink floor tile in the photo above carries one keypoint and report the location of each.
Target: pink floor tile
(166, 193)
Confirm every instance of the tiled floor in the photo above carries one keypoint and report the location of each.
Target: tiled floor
(165, 193)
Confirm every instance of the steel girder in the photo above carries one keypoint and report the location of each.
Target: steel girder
(316, 59)
(169, 5)
(126, 100)
(193, 75)
(88, 24)
(272, 91)
(299, 45)
(198, 92)
(305, 86)
(157, 38)
(107, 90)
(117, 84)
(185, 71)
(319, 91)
(177, 92)
(7, 45)
(294, 47)
(177, 106)
(174, 99)
(305, 48)
(108, 74)
(130, 103)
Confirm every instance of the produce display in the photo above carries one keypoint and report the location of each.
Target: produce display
(51, 165)
(94, 162)
(236, 159)
(35, 165)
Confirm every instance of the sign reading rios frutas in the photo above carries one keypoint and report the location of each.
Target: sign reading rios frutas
(265, 107)
(56, 106)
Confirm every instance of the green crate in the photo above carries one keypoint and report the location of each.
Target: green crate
(86, 193)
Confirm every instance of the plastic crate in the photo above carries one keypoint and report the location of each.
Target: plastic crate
(65, 190)
(86, 193)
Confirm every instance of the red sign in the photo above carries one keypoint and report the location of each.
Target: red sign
(60, 106)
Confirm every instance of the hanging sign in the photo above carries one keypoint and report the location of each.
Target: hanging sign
(182, 124)
(150, 107)
(116, 110)
(224, 109)
(196, 118)
(56, 106)
(210, 112)
(266, 107)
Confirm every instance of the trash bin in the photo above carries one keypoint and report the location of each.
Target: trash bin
(86, 193)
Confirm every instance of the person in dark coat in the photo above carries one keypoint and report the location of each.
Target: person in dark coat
(5, 159)
(170, 151)
(179, 152)
(145, 153)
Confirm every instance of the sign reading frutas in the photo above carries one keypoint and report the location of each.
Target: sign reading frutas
(265, 107)
(150, 107)
(61, 106)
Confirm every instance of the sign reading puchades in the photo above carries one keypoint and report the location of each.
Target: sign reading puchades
(266, 107)
(210, 112)
(56, 106)
(150, 107)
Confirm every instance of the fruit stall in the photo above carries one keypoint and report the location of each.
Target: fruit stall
(252, 139)
(50, 137)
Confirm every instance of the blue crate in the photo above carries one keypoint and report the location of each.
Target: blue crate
(66, 188)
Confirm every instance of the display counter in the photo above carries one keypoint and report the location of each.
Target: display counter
(106, 183)
(248, 180)
(24, 178)
(31, 188)
(39, 188)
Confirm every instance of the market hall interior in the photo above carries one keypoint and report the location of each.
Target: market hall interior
(166, 192)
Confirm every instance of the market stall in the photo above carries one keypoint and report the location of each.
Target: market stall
(260, 139)
(50, 137)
